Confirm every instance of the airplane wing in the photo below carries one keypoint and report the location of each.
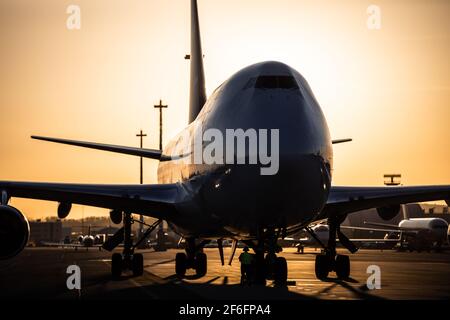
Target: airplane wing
(395, 229)
(153, 200)
(370, 240)
(311, 241)
(344, 200)
(300, 243)
(371, 229)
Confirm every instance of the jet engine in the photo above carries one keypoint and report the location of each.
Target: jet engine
(98, 239)
(64, 209)
(116, 216)
(388, 212)
(14, 231)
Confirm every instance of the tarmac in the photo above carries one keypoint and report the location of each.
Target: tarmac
(41, 273)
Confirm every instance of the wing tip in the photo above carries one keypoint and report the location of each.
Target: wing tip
(341, 140)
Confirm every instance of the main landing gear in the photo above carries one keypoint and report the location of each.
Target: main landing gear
(128, 259)
(194, 258)
(329, 260)
(266, 264)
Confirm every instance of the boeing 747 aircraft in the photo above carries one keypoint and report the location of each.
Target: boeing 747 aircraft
(238, 196)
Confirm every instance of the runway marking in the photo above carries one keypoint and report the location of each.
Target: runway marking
(100, 260)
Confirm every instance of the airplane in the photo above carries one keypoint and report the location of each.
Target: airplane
(230, 198)
(415, 234)
(84, 241)
(319, 236)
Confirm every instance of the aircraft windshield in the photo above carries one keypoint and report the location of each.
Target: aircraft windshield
(273, 82)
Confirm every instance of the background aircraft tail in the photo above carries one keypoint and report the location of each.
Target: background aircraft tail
(197, 86)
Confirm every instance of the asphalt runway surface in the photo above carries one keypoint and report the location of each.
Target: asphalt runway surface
(40, 273)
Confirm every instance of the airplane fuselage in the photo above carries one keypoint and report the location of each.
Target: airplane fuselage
(425, 230)
(236, 199)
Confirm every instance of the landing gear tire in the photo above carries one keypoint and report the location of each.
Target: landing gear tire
(138, 264)
(201, 264)
(342, 266)
(180, 264)
(322, 266)
(280, 271)
(116, 265)
(269, 264)
(260, 271)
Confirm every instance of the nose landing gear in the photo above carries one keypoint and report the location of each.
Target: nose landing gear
(270, 267)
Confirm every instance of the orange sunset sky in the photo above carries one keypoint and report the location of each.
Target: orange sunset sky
(388, 89)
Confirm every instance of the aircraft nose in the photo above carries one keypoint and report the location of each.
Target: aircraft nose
(273, 96)
(300, 124)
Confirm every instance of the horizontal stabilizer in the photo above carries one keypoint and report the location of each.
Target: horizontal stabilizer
(145, 153)
(341, 141)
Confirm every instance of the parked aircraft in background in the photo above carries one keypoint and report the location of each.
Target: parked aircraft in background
(83, 241)
(416, 234)
(317, 236)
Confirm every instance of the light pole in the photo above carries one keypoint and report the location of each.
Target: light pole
(160, 106)
(141, 136)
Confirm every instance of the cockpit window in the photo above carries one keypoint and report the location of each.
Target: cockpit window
(273, 82)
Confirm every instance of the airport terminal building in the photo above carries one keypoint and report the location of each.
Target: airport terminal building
(40, 231)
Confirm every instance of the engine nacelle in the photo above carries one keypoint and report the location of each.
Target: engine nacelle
(389, 212)
(14, 232)
(98, 239)
(64, 209)
(116, 216)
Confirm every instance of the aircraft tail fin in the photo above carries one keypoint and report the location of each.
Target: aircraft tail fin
(197, 82)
